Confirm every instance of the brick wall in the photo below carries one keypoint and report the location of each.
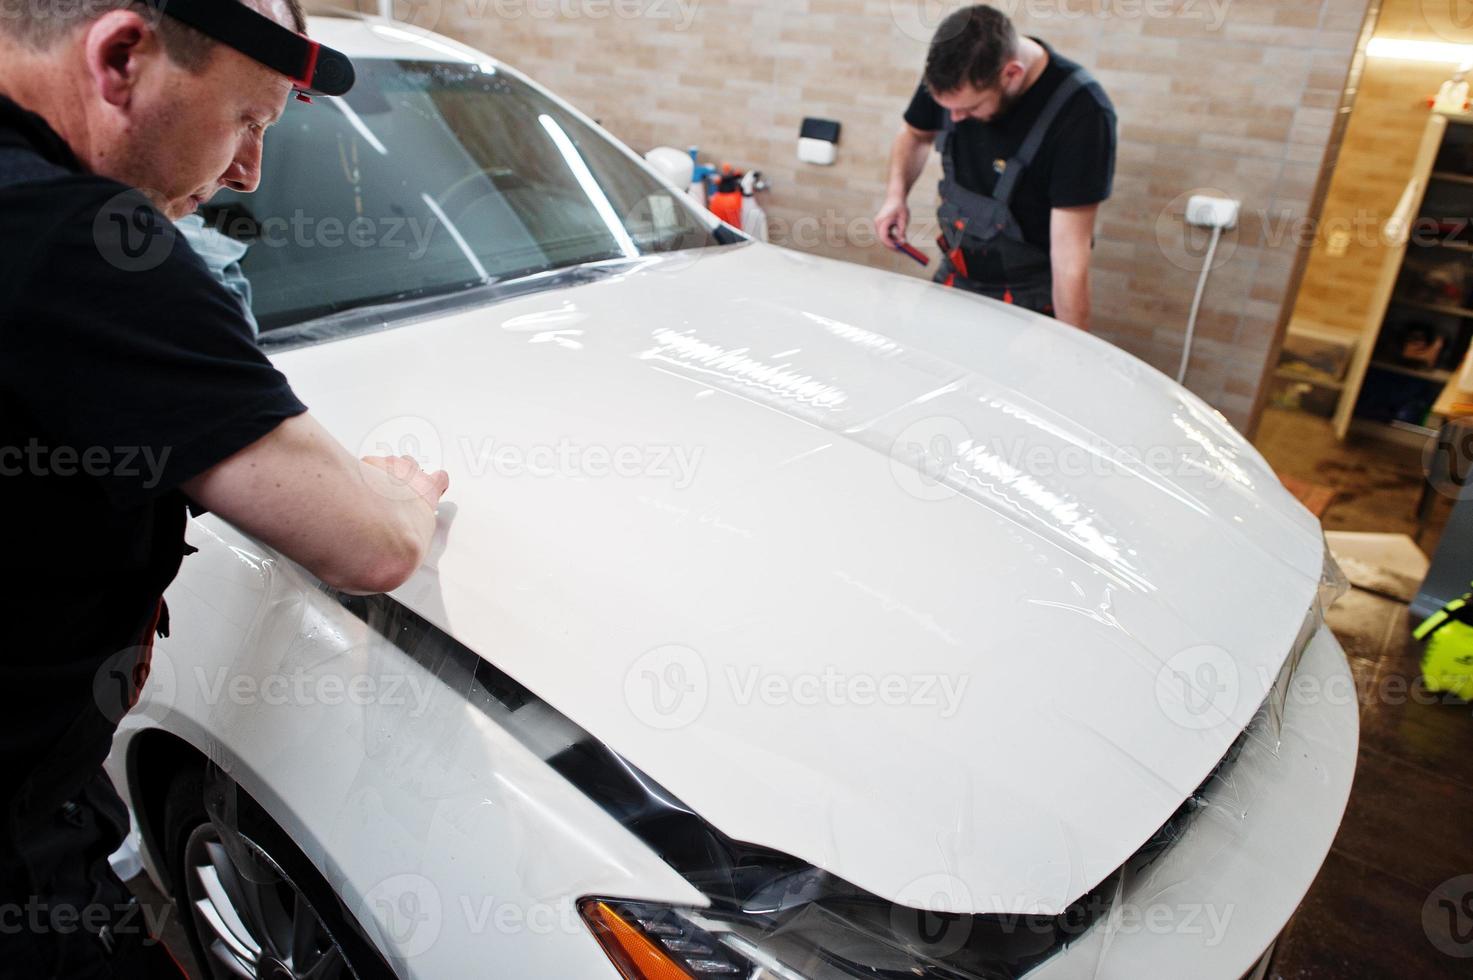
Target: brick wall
(1233, 95)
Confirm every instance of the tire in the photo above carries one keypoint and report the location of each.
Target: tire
(250, 902)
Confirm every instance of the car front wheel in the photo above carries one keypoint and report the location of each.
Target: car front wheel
(253, 906)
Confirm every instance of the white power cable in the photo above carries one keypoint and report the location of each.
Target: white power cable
(1186, 353)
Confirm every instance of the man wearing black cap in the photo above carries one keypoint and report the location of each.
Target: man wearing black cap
(130, 389)
(1027, 141)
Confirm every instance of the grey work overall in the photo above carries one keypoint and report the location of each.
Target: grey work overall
(975, 224)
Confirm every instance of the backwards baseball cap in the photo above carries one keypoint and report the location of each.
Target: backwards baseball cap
(313, 68)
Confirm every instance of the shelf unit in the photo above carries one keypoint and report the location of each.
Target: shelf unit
(1383, 395)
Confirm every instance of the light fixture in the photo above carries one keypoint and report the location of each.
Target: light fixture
(1436, 52)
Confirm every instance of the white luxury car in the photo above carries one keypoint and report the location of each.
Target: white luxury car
(787, 619)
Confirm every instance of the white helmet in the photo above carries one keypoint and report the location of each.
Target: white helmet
(676, 165)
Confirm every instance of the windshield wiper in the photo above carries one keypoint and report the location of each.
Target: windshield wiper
(399, 310)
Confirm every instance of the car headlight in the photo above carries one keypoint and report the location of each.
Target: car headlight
(843, 934)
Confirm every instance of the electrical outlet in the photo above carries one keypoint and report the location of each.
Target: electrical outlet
(1212, 212)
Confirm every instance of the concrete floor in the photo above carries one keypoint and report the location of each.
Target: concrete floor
(1392, 899)
(1395, 896)
(1377, 485)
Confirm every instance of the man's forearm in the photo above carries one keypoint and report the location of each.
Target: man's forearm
(1072, 231)
(1071, 296)
(907, 160)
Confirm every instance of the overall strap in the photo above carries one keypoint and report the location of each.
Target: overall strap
(946, 146)
(1033, 142)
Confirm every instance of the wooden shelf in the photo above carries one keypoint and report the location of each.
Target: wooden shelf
(1433, 307)
(1288, 375)
(1435, 140)
(1402, 433)
(1434, 375)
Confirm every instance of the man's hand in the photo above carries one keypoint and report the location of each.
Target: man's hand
(359, 525)
(893, 221)
(907, 160)
(406, 471)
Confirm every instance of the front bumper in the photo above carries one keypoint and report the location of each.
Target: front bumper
(1212, 904)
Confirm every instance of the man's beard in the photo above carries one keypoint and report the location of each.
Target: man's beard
(1005, 103)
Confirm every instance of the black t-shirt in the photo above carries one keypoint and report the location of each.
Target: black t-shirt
(125, 370)
(1075, 165)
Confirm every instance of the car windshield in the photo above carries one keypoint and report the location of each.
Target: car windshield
(431, 178)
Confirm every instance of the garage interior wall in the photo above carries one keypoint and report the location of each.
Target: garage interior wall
(1377, 160)
(1232, 96)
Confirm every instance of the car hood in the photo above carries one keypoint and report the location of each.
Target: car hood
(900, 581)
